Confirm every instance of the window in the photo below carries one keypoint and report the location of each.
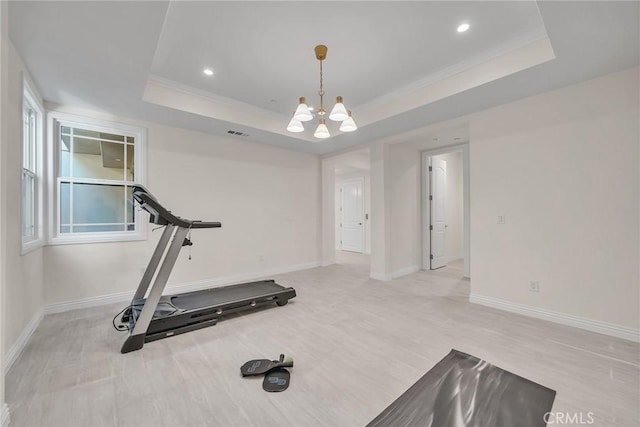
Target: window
(96, 164)
(31, 170)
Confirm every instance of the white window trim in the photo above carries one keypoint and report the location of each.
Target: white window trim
(140, 135)
(30, 244)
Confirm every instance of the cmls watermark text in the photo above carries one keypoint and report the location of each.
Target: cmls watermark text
(569, 418)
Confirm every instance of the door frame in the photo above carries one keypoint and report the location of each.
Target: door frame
(426, 183)
(361, 180)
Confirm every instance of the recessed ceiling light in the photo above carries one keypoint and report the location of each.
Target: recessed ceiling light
(463, 27)
(208, 71)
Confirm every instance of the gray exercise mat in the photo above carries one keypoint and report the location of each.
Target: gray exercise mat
(464, 391)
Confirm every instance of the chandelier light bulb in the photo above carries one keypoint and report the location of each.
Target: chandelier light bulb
(463, 27)
(348, 125)
(322, 132)
(295, 125)
(302, 113)
(339, 113)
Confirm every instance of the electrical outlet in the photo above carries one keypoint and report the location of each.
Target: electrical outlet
(501, 219)
(534, 286)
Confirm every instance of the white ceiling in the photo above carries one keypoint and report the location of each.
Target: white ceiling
(264, 51)
(398, 65)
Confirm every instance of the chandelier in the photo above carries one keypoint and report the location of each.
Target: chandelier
(339, 113)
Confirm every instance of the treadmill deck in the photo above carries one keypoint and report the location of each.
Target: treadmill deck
(224, 295)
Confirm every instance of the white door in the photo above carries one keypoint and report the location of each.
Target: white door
(352, 215)
(437, 198)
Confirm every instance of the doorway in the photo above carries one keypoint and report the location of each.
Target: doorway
(445, 207)
(352, 215)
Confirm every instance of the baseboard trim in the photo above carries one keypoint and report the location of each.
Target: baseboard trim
(558, 317)
(61, 307)
(404, 271)
(452, 258)
(395, 274)
(380, 276)
(5, 416)
(18, 346)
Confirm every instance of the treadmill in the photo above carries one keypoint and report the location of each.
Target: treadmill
(160, 316)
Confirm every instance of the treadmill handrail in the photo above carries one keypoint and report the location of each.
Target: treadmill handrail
(161, 216)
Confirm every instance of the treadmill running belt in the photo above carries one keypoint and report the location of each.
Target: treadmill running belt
(462, 390)
(225, 294)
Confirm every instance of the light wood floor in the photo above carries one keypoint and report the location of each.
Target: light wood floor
(357, 344)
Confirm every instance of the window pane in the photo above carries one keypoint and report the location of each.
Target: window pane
(98, 204)
(97, 159)
(131, 208)
(131, 140)
(65, 203)
(25, 139)
(130, 163)
(28, 220)
(65, 160)
(113, 158)
(28, 138)
(65, 129)
(65, 143)
(65, 229)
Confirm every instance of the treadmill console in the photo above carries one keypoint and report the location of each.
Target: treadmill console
(161, 216)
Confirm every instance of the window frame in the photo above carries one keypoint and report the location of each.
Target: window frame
(55, 120)
(32, 101)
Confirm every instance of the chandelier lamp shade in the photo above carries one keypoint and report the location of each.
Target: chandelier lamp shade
(295, 125)
(338, 113)
(303, 114)
(322, 131)
(348, 125)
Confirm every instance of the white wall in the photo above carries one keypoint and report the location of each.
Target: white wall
(267, 199)
(405, 209)
(23, 273)
(454, 206)
(563, 168)
(328, 203)
(380, 211)
(4, 142)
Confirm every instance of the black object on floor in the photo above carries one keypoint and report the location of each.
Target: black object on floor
(277, 379)
(262, 366)
(462, 390)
